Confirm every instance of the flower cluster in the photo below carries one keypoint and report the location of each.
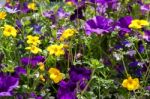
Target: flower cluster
(74, 49)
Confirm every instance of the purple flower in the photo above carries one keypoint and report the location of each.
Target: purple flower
(50, 15)
(20, 71)
(78, 77)
(146, 35)
(127, 43)
(134, 64)
(138, 72)
(148, 88)
(131, 52)
(25, 8)
(140, 47)
(99, 25)
(145, 8)
(61, 13)
(33, 61)
(123, 24)
(111, 4)
(67, 90)
(37, 29)
(18, 23)
(12, 9)
(79, 73)
(7, 84)
(101, 8)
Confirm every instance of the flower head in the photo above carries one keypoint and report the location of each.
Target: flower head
(67, 33)
(12, 9)
(123, 25)
(67, 90)
(34, 40)
(99, 25)
(32, 6)
(9, 31)
(7, 84)
(34, 49)
(55, 75)
(2, 15)
(56, 50)
(138, 24)
(131, 84)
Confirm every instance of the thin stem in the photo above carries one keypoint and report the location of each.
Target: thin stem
(88, 83)
(125, 67)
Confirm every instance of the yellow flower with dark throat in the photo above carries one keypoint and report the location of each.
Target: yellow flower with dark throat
(9, 31)
(34, 40)
(2, 15)
(55, 75)
(131, 84)
(56, 50)
(34, 49)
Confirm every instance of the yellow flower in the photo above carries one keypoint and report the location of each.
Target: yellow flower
(131, 84)
(41, 66)
(32, 6)
(9, 30)
(56, 50)
(2, 15)
(34, 49)
(138, 24)
(42, 78)
(55, 75)
(34, 40)
(67, 33)
(69, 3)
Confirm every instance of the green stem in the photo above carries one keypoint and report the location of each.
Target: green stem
(88, 82)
